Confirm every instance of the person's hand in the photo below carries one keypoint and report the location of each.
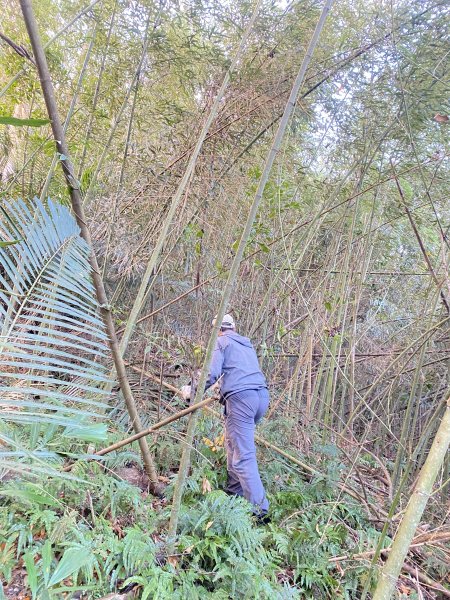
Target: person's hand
(186, 392)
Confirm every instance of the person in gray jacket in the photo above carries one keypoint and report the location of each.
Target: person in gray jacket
(244, 391)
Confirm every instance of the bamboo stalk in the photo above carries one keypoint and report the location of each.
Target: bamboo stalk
(153, 428)
(118, 116)
(275, 148)
(96, 93)
(153, 261)
(258, 439)
(77, 206)
(414, 511)
(420, 241)
(70, 113)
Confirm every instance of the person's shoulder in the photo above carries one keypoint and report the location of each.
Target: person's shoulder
(223, 341)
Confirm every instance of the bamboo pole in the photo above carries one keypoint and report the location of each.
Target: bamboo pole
(96, 93)
(195, 407)
(275, 148)
(153, 428)
(414, 511)
(145, 286)
(77, 206)
(55, 159)
(426, 258)
(106, 146)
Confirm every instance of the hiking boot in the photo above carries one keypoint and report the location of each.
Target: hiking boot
(263, 519)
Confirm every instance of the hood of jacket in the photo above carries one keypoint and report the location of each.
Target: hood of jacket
(238, 338)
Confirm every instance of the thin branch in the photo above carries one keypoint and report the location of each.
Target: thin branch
(20, 49)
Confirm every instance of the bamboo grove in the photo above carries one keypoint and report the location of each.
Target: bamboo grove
(162, 163)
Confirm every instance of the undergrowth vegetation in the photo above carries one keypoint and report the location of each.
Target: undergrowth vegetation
(92, 532)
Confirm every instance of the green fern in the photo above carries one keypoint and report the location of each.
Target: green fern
(138, 550)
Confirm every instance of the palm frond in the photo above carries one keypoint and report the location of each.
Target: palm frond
(53, 347)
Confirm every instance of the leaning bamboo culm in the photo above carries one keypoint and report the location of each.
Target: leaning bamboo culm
(414, 511)
(275, 148)
(77, 206)
(151, 267)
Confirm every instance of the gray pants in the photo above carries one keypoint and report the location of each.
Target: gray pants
(243, 411)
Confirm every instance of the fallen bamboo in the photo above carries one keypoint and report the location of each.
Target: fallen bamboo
(150, 430)
(413, 571)
(420, 540)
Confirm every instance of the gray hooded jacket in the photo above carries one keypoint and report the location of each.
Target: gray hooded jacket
(235, 358)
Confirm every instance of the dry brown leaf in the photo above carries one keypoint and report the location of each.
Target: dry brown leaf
(173, 560)
(403, 589)
(208, 525)
(206, 486)
(440, 118)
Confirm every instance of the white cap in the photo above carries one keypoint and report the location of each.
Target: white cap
(227, 322)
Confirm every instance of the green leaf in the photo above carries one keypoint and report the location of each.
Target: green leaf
(31, 493)
(32, 575)
(57, 369)
(73, 559)
(89, 433)
(263, 247)
(46, 554)
(4, 120)
(4, 244)
(327, 305)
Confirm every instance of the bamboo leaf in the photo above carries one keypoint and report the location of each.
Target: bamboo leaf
(15, 122)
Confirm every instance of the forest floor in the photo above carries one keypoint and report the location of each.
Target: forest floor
(319, 545)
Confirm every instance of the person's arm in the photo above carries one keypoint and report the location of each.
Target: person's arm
(215, 369)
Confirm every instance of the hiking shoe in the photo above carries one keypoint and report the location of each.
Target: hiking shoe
(263, 519)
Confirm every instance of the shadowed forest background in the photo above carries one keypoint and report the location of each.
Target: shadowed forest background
(343, 288)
